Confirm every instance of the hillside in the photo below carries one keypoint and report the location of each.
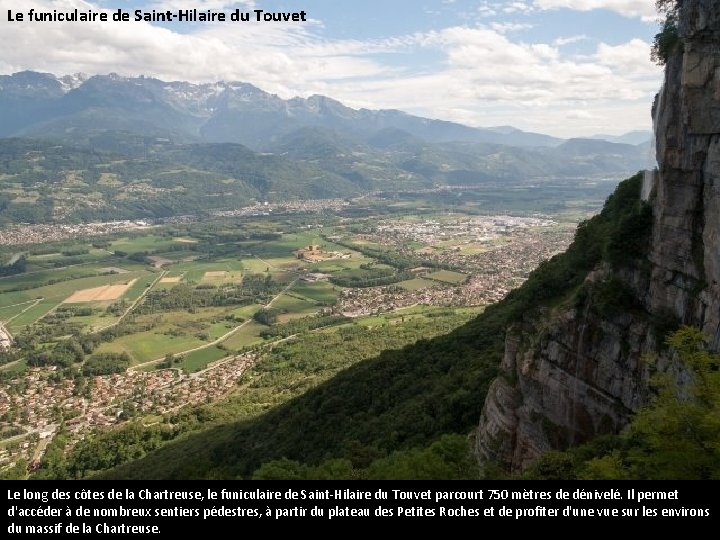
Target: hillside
(585, 371)
(109, 147)
(402, 399)
(578, 344)
(43, 182)
(117, 175)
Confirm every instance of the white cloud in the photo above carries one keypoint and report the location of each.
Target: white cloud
(582, 114)
(484, 77)
(631, 57)
(201, 5)
(504, 27)
(516, 7)
(644, 9)
(490, 79)
(283, 58)
(486, 10)
(561, 41)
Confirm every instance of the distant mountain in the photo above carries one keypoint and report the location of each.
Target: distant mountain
(66, 183)
(585, 156)
(114, 175)
(34, 104)
(516, 137)
(632, 137)
(142, 147)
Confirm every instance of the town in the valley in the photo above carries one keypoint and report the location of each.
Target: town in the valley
(332, 269)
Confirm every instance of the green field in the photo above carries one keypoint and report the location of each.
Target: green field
(197, 360)
(417, 284)
(143, 243)
(31, 315)
(62, 289)
(146, 346)
(194, 271)
(321, 291)
(229, 276)
(7, 313)
(248, 335)
(37, 279)
(292, 307)
(96, 321)
(137, 289)
(254, 266)
(16, 297)
(284, 264)
(246, 312)
(404, 315)
(448, 276)
(15, 368)
(55, 294)
(219, 329)
(175, 332)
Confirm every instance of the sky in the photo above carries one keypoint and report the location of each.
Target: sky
(562, 67)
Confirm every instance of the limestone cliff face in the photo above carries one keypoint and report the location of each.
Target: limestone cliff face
(576, 374)
(686, 243)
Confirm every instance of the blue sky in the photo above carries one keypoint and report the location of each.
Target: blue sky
(564, 67)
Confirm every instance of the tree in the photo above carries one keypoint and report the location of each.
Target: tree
(16, 472)
(667, 39)
(678, 436)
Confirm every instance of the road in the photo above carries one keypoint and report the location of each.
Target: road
(224, 336)
(135, 303)
(5, 337)
(33, 302)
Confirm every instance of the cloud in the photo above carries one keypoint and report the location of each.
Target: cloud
(490, 79)
(645, 9)
(561, 41)
(582, 114)
(504, 27)
(631, 57)
(476, 75)
(280, 57)
(201, 5)
(515, 7)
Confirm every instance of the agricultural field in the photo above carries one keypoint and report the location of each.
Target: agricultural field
(294, 307)
(96, 292)
(197, 360)
(8, 313)
(143, 243)
(221, 277)
(447, 276)
(417, 284)
(191, 299)
(186, 290)
(322, 292)
(247, 335)
(146, 295)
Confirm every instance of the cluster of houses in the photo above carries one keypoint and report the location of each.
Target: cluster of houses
(40, 234)
(40, 401)
(267, 208)
(504, 252)
(5, 338)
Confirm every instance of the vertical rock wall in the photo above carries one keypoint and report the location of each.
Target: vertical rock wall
(577, 375)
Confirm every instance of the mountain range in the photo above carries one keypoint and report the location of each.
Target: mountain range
(33, 104)
(111, 147)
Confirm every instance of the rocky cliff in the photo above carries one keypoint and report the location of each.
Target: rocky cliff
(580, 370)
